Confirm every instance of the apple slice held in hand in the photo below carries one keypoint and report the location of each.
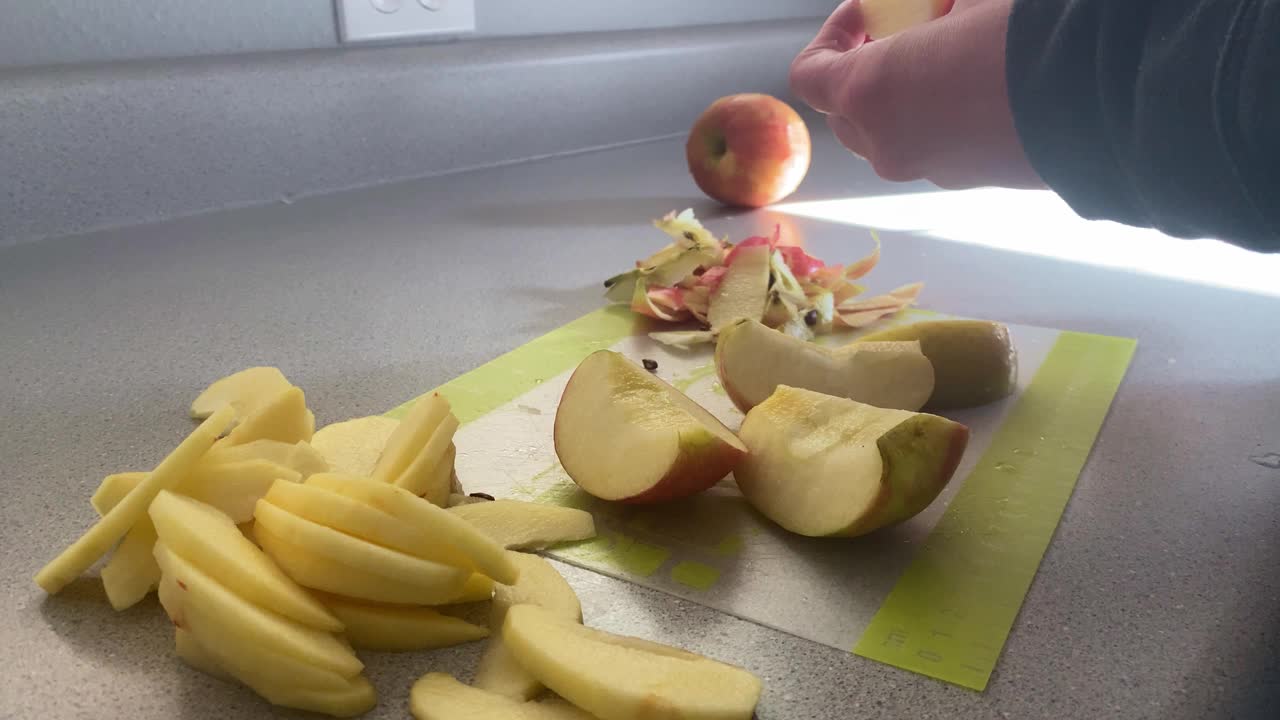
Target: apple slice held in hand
(621, 678)
(752, 360)
(883, 18)
(821, 465)
(623, 434)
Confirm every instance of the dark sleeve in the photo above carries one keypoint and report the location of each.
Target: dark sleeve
(1157, 113)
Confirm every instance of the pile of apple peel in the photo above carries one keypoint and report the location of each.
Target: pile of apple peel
(278, 551)
(714, 283)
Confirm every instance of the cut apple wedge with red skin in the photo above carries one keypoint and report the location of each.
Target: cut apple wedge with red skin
(752, 360)
(883, 18)
(826, 466)
(623, 434)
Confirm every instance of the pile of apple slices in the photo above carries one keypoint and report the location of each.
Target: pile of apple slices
(699, 277)
(832, 443)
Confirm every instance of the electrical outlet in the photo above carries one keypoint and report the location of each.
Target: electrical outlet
(362, 21)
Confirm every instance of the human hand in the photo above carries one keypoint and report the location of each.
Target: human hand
(929, 102)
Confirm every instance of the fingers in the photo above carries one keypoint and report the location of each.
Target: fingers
(853, 139)
(816, 71)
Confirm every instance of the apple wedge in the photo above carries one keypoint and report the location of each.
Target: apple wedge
(436, 583)
(478, 588)
(517, 525)
(244, 391)
(744, 291)
(393, 628)
(411, 436)
(212, 542)
(456, 542)
(499, 672)
(821, 465)
(284, 417)
(753, 359)
(615, 678)
(623, 434)
(113, 526)
(190, 651)
(974, 361)
(437, 696)
(221, 618)
(353, 447)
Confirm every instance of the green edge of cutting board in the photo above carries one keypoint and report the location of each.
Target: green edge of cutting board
(949, 614)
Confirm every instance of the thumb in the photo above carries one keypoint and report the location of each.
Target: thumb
(817, 71)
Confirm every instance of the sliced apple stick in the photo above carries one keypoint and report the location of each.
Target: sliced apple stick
(623, 434)
(356, 698)
(410, 437)
(191, 652)
(518, 525)
(427, 474)
(352, 447)
(352, 517)
(616, 678)
(132, 571)
(443, 478)
(821, 465)
(194, 599)
(284, 417)
(244, 391)
(752, 360)
(210, 540)
(478, 589)
(458, 542)
(113, 488)
(398, 628)
(320, 572)
(113, 526)
(437, 696)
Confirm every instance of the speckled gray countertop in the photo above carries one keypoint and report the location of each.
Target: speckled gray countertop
(1159, 596)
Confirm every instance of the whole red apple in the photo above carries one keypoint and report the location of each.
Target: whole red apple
(749, 150)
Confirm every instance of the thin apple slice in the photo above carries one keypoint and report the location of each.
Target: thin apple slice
(437, 696)
(300, 457)
(284, 417)
(399, 628)
(232, 487)
(190, 651)
(410, 436)
(499, 672)
(113, 526)
(320, 572)
(244, 391)
(210, 540)
(744, 291)
(821, 465)
(623, 434)
(539, 584)
(614, 678)
(883, 18)
(219, 617)
(428, 474)
(353, 447)
(517, 525)
(752, 360)
(436, 583)
(458, 543)
(352, 517)
(132, 571)
(355, 698)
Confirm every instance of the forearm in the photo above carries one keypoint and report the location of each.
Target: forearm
(1159, 113)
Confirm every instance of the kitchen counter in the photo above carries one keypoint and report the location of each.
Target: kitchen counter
(1159, 596)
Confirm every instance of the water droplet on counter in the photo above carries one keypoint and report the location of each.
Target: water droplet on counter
(1267, 460)
(1023, 451)
(1005, 467)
